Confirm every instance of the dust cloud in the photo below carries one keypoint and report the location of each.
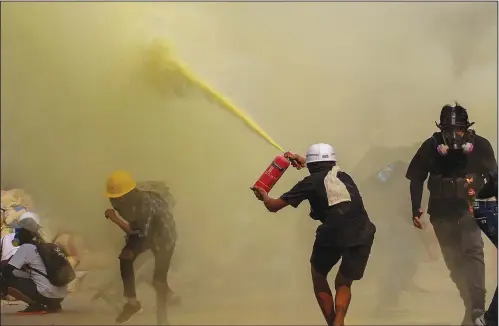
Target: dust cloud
(77, 104)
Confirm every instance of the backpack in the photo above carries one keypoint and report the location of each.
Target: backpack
(160, 189)
(59, 269)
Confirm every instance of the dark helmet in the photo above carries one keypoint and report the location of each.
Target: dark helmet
(454, 116)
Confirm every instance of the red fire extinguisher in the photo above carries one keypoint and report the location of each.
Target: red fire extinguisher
(273, 173)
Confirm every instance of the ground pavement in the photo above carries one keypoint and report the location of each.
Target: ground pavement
(223, 306)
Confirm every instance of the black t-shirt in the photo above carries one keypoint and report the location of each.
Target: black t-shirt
(490, 188)
(343, 224)
(428, 161)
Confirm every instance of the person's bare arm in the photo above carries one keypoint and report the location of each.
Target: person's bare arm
(121, 223)
(273, 205)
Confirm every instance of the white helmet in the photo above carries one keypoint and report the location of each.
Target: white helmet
(29, 221)
(320, 153)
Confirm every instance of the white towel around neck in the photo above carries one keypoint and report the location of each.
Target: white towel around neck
(336, 190)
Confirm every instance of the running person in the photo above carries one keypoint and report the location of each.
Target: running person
(346, 231)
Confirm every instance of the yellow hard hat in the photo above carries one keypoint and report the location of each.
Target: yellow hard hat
(119, 184)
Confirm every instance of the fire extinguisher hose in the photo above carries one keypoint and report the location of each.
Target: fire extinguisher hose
(183, 69)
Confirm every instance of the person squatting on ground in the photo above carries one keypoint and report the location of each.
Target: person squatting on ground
(149, 225)
(345, 233)
(25, 275)
(454, 158)
(485, 211)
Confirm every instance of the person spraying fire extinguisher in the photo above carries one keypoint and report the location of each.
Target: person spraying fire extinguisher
(345, 233)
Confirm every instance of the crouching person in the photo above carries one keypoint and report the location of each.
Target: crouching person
(32, 271)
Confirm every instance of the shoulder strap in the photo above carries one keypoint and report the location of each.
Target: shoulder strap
(43, 261)
(37, 271)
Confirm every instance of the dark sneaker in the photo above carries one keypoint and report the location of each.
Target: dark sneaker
(480, 321)
(33, 309)
(471, 316)
(484, 321)
(475, 313)
(129, 309)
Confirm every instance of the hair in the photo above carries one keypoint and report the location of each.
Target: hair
(126, 200)
(26, 236)
(315, 167)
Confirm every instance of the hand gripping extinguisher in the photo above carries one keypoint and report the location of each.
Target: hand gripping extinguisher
(273, 173)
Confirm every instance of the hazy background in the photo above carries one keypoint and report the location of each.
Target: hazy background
(77, 103)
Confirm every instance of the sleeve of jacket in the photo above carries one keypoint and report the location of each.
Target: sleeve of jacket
(417, 172)
(142, 226)
(421, 162)
(489, 162)
(490, 188)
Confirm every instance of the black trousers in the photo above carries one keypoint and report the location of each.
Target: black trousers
(27, 287)
(162, 259)
(461, 243)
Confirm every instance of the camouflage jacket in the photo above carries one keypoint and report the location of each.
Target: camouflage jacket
(150, 217)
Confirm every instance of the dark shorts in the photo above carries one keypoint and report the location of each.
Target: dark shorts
(353, 258)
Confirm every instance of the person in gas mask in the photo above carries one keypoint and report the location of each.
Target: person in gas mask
(456, 160)
(148, 225)
(345, 233)
(485, 212)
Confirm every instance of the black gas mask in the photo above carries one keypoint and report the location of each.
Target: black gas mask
(455, 134)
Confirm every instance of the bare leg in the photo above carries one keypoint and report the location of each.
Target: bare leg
(343, 296)
(323, 295)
